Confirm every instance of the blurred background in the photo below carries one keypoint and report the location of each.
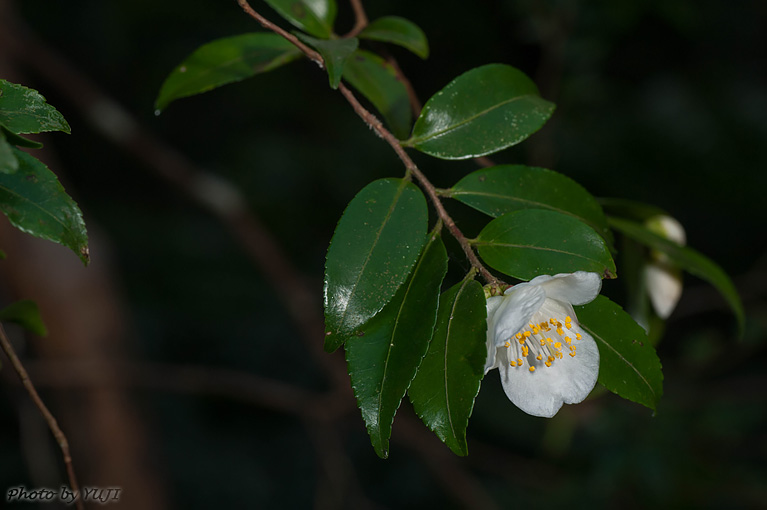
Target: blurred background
(184, 363)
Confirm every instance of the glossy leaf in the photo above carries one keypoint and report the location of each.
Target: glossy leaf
(8, 162)
(531, 242)
(24, 110)
(26, 314)
(36, 203)
(385, 354)
(689, 260)
(377, 80)
(628, 364)
(482, 111)
(374, 247)
(400, 31)
(505, 188)
(449, 377)
(335, 53)
(313, 16)
(224, 61)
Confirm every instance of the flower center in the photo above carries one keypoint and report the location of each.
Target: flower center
(543, 342)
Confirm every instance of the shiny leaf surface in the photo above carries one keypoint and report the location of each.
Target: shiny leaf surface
(482, 111)
(385, 355)
(449, 377)
(374, 247)
(313, 16)
(628, 364)
(36, 203)
(531, 242)
(24, 110)
(335, 53)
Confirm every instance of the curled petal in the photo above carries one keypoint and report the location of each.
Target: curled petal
(519, 304)
(577, 288)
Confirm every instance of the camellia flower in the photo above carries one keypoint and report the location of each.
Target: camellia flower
(533, 338)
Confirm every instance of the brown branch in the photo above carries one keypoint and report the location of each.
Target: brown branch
(375, 124)
(361, 19)
(61, 439)
(277, 30)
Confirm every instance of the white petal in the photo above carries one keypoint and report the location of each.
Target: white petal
(493, 303)
(568, 380)
(664, 285)
(577, 288)
(519, 304)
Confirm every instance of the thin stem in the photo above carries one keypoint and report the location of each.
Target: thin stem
(277, 30)
(376, 125)
(61, 439)
(361, 19)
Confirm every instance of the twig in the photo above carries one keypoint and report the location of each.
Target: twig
(277, 30)
(375, 124)
(61, 439)
(361, 19)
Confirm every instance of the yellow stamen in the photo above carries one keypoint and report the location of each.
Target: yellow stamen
(507, 345)
(513, 363)
(532, 369)
(547, 363)
(519, 360)
(568, 319)
(560, 331)
(518, 335)
(578, 336)
(539, 357)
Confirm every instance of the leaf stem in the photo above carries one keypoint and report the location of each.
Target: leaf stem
(361, 19)
(61, 439)
(376, 125)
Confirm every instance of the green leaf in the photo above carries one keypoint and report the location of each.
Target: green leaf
(26, 314)
(374, 247)
(335, 53)
(385, 355)
(19, 141)
(24, 110)
(689, 260)
(400, 31)
(377, 80)
(313, 16)
(482, 111)
(628, 364)
(448, 379)
(505, 188)
(531, 242)
(223, 61)
(36, 203)
(8, 162)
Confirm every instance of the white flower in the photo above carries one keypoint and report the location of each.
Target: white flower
(662, 278)
(534, 340)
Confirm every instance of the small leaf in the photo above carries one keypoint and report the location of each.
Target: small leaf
(628, 364)
(36, 203)
(313, 16)
(19, 141)
(24, 110)
(377, 80)
(223, 61)
(401, 31)
(8, 162)
(449, 377)
(374, 247)
(335, 53)
(689, 260)
(26, 314)
(505, 188)
(482, 111)
(531, 242)
(385, 354)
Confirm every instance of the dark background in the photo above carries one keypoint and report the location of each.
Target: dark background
(660, 101)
